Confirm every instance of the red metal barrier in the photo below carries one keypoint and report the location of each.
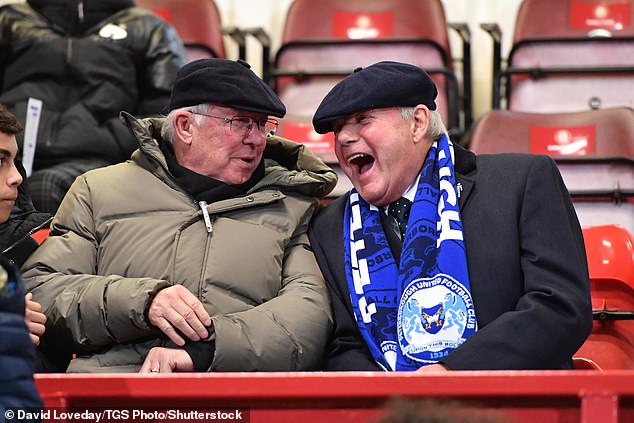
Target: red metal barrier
(521, 396)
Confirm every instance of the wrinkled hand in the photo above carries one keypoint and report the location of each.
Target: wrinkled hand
(167, 360)
(35, 319)
(177, 308)
(432, 368)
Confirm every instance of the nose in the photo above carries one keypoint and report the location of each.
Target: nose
(254, 136)
(347, 134)
(14, 179)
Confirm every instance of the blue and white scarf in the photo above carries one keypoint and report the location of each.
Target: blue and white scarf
(416, 313)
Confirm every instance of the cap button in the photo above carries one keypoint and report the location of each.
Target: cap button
(358, 69)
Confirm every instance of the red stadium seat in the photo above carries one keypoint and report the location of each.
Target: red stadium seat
(585, 134)
(610, 251)
(594, 151)
(585, 364)
(325, 40)
(196, 21)
(568, 56)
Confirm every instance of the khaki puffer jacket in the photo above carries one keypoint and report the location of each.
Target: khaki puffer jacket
(124, 232)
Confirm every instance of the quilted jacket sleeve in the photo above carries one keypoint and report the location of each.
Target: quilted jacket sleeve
(85, 311)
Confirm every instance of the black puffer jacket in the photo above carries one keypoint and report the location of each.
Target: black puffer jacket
(16, 243)
(87, 61)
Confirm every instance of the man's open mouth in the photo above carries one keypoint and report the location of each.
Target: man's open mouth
(363, 162)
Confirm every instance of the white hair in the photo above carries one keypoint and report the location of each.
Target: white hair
(167, 130)
(436, 126)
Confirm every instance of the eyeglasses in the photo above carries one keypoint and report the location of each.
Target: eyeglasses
(242, 125)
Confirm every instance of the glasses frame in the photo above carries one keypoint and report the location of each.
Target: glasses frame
(261, 124)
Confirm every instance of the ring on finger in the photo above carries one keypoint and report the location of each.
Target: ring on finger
(155, 370)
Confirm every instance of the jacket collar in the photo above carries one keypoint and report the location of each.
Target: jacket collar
(288, 165)
(77, 16)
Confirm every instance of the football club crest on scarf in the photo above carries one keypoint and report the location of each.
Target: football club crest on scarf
(435, 316)
(417, 312)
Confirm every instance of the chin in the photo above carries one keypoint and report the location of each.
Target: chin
(371, 194)
(369, 197)
(239, 180)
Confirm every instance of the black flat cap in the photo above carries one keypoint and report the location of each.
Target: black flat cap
(383, 84)
(228, 82)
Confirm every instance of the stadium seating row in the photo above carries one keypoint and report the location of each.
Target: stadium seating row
(566, 56)
(578, 52)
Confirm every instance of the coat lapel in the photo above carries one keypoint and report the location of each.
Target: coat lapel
(465, 170)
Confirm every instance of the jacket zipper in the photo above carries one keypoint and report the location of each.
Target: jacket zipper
(69, 58)
(80, 18)
(201, 278)
(80, 11)
(203, 208)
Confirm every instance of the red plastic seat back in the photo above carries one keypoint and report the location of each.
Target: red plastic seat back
(341, 35)
(359, 19)
(197, 22)
(610, 346)
(610, 252)
(594, 151)
(584, 134)
(572, 34)
(540, 19)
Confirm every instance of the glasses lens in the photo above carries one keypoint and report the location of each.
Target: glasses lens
(241, 125)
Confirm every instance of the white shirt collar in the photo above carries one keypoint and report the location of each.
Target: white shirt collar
(410, 192)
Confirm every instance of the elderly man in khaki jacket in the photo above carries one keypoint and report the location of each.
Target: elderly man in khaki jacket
(192, 255)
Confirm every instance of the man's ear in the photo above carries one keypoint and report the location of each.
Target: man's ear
(183, 127)
(421, 123)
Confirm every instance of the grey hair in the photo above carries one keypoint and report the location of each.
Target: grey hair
(436, 126)
(167, 130)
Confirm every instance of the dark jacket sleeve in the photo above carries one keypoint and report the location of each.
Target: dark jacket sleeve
(527, 268)
(346, 349)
